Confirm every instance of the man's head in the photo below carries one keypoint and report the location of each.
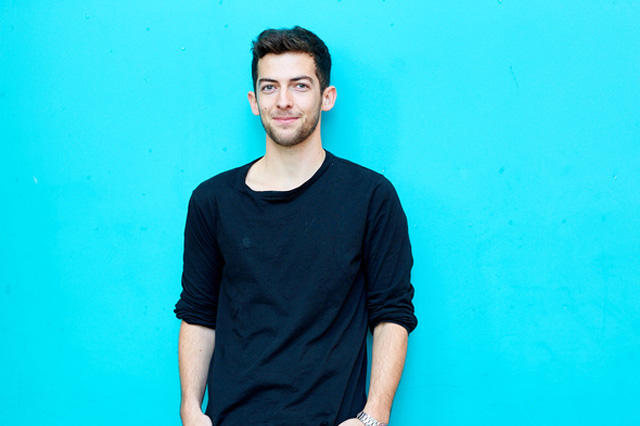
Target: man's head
(298, 40)
(291, 82)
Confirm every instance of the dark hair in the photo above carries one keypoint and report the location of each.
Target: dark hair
(296, 39)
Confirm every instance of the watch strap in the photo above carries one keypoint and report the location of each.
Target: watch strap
(368, 420)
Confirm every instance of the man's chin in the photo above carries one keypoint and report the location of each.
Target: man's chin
(289, 137)
(286, 140)
(287, 143)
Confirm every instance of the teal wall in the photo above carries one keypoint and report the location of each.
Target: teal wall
(510, 129)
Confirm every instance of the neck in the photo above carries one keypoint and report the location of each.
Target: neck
(286, 168)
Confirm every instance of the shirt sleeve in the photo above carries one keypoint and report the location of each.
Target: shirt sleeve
(202, 267)
(388, 260)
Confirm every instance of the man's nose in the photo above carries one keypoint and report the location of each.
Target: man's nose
(284, 99)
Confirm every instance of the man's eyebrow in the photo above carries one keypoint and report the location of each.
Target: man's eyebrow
(302, 77)
(298, 78)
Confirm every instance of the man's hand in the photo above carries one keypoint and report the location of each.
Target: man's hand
(197, 419)
(351, 422)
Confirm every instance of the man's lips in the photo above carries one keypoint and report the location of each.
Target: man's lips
(285, 119)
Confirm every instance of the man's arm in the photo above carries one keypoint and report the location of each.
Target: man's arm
(387, 362)
(388, 353)
(195, 348)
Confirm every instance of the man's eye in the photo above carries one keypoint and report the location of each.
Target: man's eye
(301, 86)
(268, 88)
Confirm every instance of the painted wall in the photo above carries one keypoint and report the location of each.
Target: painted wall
(510, 129)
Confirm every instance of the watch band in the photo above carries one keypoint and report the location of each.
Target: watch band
(368, 420)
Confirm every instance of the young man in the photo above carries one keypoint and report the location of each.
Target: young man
(287, 261)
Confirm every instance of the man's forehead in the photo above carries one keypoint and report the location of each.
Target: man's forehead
(287, 65)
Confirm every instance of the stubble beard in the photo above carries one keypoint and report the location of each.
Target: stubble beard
(302, 134)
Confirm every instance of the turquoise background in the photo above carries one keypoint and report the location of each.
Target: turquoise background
(510, 129)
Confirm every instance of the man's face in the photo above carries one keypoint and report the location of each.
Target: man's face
(288, 98)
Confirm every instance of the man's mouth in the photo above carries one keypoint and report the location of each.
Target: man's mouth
(285, 119)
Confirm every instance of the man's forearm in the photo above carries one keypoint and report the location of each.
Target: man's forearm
(387, 362)
(195, 348)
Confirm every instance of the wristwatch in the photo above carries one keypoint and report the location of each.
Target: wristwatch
(368, 420)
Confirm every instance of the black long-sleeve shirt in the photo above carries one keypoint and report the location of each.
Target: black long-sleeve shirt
(290, 280)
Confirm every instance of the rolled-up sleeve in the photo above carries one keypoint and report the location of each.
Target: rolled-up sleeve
(202, 266)
(388, 260)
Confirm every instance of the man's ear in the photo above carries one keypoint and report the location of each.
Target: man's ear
(329, 98)
(254, 103)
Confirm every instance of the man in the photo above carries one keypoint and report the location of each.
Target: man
(287, 261)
